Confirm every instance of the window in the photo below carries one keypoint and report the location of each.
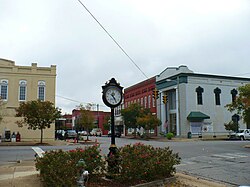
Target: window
(153, 101)
(22, 90)
(199, 92)
(217, 93)
(141, 101)
(4, 89)
(149, 101)
(145, 102)
(234, 92)
(41, 90)
(172, 99)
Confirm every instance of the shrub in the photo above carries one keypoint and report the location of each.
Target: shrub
(170, 135)
(59, 168)
(131, 164)
(140, 162)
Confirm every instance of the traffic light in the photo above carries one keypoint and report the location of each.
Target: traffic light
(165, 99)
(155, 94)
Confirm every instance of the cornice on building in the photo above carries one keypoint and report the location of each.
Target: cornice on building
(140, 84)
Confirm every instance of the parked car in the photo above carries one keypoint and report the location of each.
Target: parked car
(83, 133)
(117, 134)
(242, 134)
(96, 132)
(59, 134)
(70, 134)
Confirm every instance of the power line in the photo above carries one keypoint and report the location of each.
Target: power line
(241, 74)
(121, 48)
(69, 99)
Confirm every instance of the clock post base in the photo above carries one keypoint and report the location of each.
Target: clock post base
(113, 160)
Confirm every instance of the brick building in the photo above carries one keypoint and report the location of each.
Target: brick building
(100, 119)
(141, 93)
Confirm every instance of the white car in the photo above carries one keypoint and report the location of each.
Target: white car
(96, 132)
(242, 134)
(83, 133)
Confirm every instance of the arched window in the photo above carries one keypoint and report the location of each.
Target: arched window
(4, 89)
(217, 92)
(41, 90)
(234, 92)
(22, 90)
(199, 92)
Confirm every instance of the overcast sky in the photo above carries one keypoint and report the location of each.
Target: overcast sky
(209, 36)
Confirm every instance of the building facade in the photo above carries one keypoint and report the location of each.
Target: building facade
(22, 84)
(141, 93)
(101, 118)
(119, 123)
(64, 123)
(196, 102)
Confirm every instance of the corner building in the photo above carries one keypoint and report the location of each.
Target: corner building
(196, 102)
(22, 84)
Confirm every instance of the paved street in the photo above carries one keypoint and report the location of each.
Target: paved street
(225, 161)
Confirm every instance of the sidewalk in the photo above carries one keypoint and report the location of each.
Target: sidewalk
(32, 143)
(21, 174)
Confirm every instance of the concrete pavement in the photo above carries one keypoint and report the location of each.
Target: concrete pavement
(20, 174)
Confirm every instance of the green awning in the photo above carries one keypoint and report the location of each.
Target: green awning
(197, 116)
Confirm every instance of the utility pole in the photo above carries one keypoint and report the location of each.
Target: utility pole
(97, 106)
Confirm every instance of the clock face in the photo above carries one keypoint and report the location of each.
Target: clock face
(113, 96)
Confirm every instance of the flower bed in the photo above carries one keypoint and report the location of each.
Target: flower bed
(133, 164)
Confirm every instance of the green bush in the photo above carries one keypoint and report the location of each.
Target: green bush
(132, 164)
(170, 135)
(140, 162)
(59, 168)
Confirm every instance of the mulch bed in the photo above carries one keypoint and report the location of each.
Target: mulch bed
(101, 182)
(104, 182)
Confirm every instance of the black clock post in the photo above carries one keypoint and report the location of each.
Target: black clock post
(112, 97)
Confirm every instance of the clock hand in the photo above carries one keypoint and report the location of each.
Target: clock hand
(113, 97)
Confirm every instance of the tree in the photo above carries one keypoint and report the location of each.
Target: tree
(86, 119)
(241, 104)
(106, 123)
(37, 115)
(130, 115)
(148, 121)
(135, 116)
(232, 125)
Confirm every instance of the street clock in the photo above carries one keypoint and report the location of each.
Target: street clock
(112, 93)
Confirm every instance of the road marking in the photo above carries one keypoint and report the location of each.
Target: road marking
(185, 162)
(198, 159)
(39, 152)
(238, 155)
(222, 156)
(230, 155)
